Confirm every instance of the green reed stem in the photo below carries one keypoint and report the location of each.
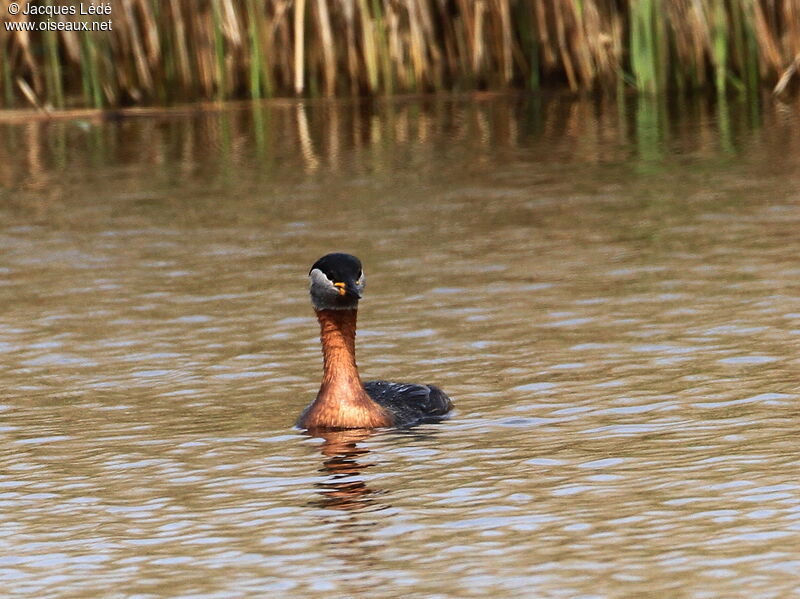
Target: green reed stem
(751, 76)
(54, 80)
(92, 91)
(167, 44)
(382, 47)
(219, 50)
(719, 45)
(643, 46)
(256, 53)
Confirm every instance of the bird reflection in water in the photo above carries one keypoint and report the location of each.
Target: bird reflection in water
(344, 489)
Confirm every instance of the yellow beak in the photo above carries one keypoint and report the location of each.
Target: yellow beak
(341, 286)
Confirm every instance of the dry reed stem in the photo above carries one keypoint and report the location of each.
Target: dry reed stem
(326, 36)
(299, 44)
(786, 78)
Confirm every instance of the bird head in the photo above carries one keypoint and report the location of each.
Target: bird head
(336, 282)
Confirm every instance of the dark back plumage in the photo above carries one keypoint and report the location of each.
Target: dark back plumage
(410, 403)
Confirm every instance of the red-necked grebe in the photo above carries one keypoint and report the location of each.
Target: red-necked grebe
(343, 401)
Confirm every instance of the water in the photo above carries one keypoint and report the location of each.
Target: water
(609, 293)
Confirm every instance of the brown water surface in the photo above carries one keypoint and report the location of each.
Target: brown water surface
(609, 293)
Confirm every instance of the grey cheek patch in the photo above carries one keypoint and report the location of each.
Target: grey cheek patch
(324, 295)
(319, 282)
(320, 287)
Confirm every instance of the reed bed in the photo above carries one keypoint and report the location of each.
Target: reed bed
(167, 51)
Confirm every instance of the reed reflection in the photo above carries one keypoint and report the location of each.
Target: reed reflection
(344, 488)
(293, 139)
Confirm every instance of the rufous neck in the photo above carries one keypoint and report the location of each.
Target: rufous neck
(338, 336)
(342, 401)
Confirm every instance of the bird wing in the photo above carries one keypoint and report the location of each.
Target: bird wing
(409, 401)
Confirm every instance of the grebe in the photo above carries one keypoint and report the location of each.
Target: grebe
(343, 401)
